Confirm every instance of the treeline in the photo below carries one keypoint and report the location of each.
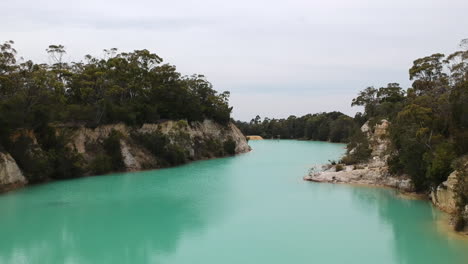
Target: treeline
(429, 121)
(333, 126)
(129, 87)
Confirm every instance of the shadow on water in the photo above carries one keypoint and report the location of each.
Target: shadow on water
(128, 218)
(412, 223)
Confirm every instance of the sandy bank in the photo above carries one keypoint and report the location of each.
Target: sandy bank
(253, 137)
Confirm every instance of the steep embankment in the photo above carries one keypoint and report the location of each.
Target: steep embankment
(135, 148)
(10, 175)
(376, 172)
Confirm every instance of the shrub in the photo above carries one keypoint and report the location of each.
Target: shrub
(155, 142)
(101, 164)
(66, 162)
(358, 167)
(358, 149)
(160, 146)
(182, 124)
(214, 147)
(34, 162)
(348, 160)
(459, 223)
(175, 155)
(440, 163)
(229, 146)
(339, 167)
(394, 164)
(112, 149)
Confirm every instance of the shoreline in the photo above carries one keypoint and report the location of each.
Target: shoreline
(5, 189)
(379, 178)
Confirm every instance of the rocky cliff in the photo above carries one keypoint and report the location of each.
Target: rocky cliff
(117, 147)
(373, 172)
(445, 198)
(10, 174)
(136, 156)
(444, 195)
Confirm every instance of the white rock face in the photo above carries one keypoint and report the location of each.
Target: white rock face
(444, 195)
(379, 143)
(129, 160)
(375, 171)
(9, 171)
(365, 128)
(365, 176)
(134, 157)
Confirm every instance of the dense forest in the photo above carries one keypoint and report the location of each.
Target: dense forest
(126, 87)
(131, 87)
(333, 126)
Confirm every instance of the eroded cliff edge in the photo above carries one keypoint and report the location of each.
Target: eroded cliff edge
(10, 174)
(124, 148)
(375, 172)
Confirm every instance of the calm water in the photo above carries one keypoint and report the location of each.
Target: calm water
(253, 208)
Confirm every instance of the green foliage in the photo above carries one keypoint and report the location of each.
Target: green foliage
(131, 87)
(175, 155)
(229, 146)
(34, 163)
(155, 142)
(213, 147)
(380, 103)
(112, 148)
(51, 159)
(339, 167)
(101, 164)
(428, 123)
(333, 126)
(160, 146)
(439, 163)
(358, 149)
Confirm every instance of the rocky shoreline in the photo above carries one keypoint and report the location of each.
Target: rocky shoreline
(365, 176)
(443, 197)
(375, 173)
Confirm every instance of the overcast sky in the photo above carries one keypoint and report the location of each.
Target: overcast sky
(275, 57)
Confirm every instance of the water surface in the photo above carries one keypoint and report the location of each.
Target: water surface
(252, 208)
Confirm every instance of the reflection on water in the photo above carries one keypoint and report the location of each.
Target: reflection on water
(414, 227)
(253, 208)
(124, 219)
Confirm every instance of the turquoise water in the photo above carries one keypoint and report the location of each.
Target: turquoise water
(252, 208)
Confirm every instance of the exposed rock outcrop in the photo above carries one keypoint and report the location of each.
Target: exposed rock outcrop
(363, 176)
(182, 142)
(374, 172)
(444, 195)
(10, 174)
(84, 140)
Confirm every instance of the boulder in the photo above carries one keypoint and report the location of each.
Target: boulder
(444, 195)
(10, 173)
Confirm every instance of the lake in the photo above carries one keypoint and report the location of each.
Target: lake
(251, 208)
